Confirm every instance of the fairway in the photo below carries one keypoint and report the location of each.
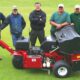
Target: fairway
(7, 71)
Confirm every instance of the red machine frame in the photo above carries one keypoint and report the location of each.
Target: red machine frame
(36, 61)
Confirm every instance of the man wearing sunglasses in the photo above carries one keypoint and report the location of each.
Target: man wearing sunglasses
(17, 24)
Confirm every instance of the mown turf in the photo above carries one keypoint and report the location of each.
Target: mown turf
(7, 71)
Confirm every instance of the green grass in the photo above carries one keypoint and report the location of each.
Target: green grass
(7, 71)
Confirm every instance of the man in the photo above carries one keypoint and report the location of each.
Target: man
(17, 24)
(37, 21)
(59, 19)
(75, 19)
(2, 18)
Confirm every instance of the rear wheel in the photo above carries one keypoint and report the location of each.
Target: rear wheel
(61, 69)
(17, 62)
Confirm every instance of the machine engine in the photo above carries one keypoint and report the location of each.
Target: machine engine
(23, 44)
(49, 44)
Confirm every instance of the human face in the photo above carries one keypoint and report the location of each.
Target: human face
(60, 10)
(15, 11)
(77, 10)
(38, 7)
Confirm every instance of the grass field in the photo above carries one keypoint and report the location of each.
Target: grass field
(7, 71)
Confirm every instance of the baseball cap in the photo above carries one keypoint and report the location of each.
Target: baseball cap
(61, 5)
(77, 6)
(14, 7)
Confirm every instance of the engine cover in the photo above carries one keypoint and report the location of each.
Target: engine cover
(68, 39)
(22, 44)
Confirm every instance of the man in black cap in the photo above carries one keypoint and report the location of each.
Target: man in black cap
(37, 21)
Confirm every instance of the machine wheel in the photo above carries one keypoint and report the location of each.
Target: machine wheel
(61, 69)
(17, 62)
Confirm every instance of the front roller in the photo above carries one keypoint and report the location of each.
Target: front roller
(61, 69)
(17, 62)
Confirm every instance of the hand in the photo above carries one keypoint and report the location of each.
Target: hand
(40, 19)
(58, 26)
(72, 24)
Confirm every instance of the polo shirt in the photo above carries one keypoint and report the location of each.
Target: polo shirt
(75, 18)
(59, 18)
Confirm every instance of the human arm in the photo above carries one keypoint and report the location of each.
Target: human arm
(2, 17)
(5, 23)
(23, 23)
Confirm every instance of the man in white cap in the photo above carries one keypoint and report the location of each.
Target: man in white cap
(75, 18)
(17, 24)
(59, 19)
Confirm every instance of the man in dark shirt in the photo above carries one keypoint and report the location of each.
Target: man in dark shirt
(37, 21)
(75, 18)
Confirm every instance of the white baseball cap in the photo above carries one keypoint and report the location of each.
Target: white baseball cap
(61, 5)
(77, 6)
(14, 7)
